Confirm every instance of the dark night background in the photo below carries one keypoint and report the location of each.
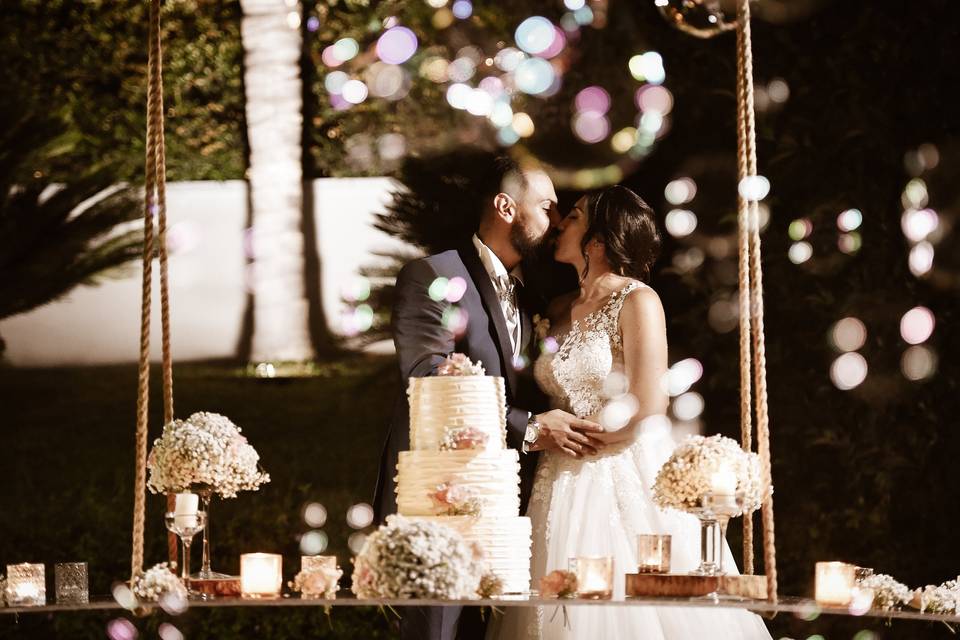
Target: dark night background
(867, 475)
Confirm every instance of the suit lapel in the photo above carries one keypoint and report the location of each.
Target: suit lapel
(491, 303)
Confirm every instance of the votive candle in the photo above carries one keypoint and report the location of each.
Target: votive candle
(834, 583)
(72, 586)
(653, 553)
(26, 585)
(594, 576)
(261, 575)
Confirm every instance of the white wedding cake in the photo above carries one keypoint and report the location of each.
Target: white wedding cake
(459, 471)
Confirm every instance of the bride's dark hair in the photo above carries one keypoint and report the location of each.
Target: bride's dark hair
(625, 225)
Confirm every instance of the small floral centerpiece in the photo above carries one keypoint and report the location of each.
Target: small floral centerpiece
(206, 449)
(942, 598)
(158, 581)
(458, 364)
(559, 584)
(321, 582)
(688, 474)
(416, 559)
(463, 438)
(455, 500)
(887, 592)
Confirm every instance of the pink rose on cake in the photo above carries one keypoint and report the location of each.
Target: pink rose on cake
(458, 364)
(455, 500)
(462, 438)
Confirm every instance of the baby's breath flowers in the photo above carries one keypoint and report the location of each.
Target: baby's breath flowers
(157, 582)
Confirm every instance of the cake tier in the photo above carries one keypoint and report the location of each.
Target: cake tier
(504, 542)
(491, 478)
(438, 402)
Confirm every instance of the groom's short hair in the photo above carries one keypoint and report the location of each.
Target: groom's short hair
(504, 175)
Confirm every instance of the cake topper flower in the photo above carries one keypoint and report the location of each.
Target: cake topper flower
(455, 500)
(458, 364)
(461, 438)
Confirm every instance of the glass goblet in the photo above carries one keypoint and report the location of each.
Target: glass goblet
(185, 526)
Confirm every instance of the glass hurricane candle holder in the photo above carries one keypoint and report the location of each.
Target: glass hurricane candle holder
(26, 585)
(834, 583)
(653, 553)
(72, 586)
(261, 575)
(594, 576)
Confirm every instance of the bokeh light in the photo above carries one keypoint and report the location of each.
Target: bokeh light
(623, 140)
(654, 98)
(648, 67)
(800, 229)
(724, 315)
(680, 222)
(849, 242)
(462, 9)
(921, 258)
(438, 289)
(849, 220)
(915, 195)
(534, 76)
(917, 325)
(334, 81)
(754, 187)
(121, 629)
(174, 603)
(594, 99)
(617, 413)
(313, 543)
(800, 252)
(456, 287)
(535, 34)
(360, 515)
(590, 126)
(346, 49)
(455, 320)
(919, 362)
(397, 45)
(848, 334)
(522, 124)
(917, 224)
(616, 384)
(848, 371)
(680, 191)
(688, 406)
(167, 631)
(356, 541)
(681, 376)
(354, 91)
(315, 515)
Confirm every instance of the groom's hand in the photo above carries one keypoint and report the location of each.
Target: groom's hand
(568, 433)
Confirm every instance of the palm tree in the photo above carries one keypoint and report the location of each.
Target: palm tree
(272, 43)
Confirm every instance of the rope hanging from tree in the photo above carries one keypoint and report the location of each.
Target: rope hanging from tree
(753, 360)
(155, 204)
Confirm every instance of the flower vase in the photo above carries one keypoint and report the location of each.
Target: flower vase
(206, 573)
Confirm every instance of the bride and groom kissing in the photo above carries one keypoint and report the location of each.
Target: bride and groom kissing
(585, 479)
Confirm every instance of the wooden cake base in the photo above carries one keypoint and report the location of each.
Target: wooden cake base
(222, 587)
(682, 585)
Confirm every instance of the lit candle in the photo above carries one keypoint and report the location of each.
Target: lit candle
(316, 563)
(834, 583)
(185, 510)
(724, 482)
(261, 575)
(594, 576)
(26, 585)
(653, 553)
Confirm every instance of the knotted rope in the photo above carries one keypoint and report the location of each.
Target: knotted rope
(751, 305)
(155, 203)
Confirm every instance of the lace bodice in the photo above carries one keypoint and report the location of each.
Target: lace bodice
(591, 349)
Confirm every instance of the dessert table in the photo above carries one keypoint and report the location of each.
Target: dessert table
(800, 607)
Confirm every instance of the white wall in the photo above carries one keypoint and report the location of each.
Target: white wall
(101, 324)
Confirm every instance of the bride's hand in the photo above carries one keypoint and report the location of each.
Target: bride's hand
(572, 435)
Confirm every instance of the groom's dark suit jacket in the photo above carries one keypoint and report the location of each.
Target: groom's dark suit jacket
(423, 343)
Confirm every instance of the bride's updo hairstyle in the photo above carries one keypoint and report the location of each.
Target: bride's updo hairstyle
(625, 225)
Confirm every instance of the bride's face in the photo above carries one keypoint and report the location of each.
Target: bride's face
(572, 229)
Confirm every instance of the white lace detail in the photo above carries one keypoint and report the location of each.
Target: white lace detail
(588, 353)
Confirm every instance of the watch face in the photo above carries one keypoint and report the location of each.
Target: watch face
(531, 435)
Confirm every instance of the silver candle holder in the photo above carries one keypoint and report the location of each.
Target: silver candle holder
(71, 583)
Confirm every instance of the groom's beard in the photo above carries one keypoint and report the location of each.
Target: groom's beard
(528, 247)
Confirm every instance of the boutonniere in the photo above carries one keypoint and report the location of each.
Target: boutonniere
(541, 327)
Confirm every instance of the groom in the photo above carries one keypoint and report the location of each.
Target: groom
(517, 210)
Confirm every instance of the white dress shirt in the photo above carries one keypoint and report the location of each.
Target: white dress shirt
(499, 276)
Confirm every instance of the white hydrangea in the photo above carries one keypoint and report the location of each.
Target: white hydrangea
(205, 449)
(157, 582)
(887, 592)
(686, 476)
(939, 598)
(416, 559)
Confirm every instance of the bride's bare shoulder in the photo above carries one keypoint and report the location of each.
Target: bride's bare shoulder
(559, 307)
(641, 302)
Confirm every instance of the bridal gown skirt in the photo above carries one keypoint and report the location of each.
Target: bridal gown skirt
(598, 506)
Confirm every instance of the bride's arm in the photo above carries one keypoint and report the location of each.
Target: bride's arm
(644, 333)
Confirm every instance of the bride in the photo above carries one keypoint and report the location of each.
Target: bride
(593, 494)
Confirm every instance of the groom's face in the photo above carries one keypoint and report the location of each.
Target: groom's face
(535, 203)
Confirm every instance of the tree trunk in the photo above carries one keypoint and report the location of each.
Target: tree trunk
(272, 49)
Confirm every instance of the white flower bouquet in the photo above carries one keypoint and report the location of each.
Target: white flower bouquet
(158, 581)
(938, 598)
(205, 449)
(688, 474)
(416, 559)
(457, 364)
(887, 592)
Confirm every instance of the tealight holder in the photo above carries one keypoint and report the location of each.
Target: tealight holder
(71, 582)
(834, 583)
(594, 576)
(261, 575)
(653, 553)
(26, 585)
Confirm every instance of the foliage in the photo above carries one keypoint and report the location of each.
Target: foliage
(86, 62)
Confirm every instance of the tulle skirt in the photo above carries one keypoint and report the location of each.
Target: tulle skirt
(596, 507)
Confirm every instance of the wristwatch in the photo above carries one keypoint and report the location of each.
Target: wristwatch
(533, 431)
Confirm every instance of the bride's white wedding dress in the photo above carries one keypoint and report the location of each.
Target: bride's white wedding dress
(598, 505)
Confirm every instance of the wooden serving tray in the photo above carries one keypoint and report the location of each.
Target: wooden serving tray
(222, 587)
(682, 585)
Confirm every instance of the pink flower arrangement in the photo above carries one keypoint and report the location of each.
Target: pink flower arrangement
(458, 364)
(558, 584)
(462, 438)
(455, 500)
